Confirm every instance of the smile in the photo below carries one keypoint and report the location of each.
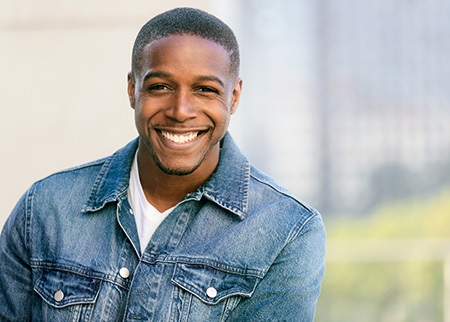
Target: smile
(180, 138)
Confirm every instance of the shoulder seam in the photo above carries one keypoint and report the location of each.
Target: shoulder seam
(286, 194)
(95, 163)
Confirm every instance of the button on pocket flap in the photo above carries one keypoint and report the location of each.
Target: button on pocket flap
(212, 285)
(61, 288)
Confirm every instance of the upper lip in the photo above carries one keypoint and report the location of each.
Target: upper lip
(180, 131)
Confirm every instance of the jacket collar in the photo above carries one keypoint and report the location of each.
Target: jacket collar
(227, 187)
(113, 179)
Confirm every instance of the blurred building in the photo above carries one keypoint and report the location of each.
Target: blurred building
(351, 98)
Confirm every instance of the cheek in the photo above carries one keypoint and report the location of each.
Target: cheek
(144, 109)
(141, 118)
(221, 117)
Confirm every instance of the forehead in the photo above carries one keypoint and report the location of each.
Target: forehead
(185, 51)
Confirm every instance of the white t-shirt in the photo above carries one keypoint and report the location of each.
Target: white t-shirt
(147, 217)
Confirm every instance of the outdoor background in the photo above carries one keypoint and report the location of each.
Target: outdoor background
(345, 102)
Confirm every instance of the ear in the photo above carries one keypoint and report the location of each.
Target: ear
(131, 87)
(236, 96)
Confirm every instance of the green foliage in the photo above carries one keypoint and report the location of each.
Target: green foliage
(409, 291)
(390, 292)
(428, 217)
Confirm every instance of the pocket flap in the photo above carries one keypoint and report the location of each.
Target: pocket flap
(211, 285)
(61, 288)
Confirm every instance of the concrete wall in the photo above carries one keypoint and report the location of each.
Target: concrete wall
(63, 74)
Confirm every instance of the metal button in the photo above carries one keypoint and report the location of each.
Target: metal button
(211, 292)
(58, 296)
(131, 211)
(124, 272)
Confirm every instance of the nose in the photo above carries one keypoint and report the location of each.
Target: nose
(182, 107)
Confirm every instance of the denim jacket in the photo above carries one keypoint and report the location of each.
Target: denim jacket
(239, 248)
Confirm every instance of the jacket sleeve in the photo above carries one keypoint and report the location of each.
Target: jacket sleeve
(290, 289)
(15, 271)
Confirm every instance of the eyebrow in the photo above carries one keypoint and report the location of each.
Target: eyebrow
(200, 78)
(212, 78)
(156, 75)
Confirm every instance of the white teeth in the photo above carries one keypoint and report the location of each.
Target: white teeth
(179, 138)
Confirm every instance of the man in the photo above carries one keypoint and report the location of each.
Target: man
(175, 226)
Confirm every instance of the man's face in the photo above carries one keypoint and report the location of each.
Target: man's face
(183, 97)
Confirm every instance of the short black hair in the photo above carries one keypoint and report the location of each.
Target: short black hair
(188, 21)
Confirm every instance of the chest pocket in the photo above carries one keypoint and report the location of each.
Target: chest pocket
(211, 285)
(61, 288)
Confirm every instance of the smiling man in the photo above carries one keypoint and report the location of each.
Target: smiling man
(175, 226)
(183, 92)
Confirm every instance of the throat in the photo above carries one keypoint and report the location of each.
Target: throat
(165, 194)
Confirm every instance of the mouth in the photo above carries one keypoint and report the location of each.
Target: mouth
(181, 138)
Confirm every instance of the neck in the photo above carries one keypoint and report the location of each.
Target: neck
(164, 190)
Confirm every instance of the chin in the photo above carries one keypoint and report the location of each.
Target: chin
(176, 171)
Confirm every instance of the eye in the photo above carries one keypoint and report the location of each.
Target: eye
(158, 88)
(207, 89)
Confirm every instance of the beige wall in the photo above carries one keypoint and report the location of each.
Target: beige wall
(63, 83)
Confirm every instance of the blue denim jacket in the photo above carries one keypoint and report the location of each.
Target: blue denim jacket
(240, 248)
